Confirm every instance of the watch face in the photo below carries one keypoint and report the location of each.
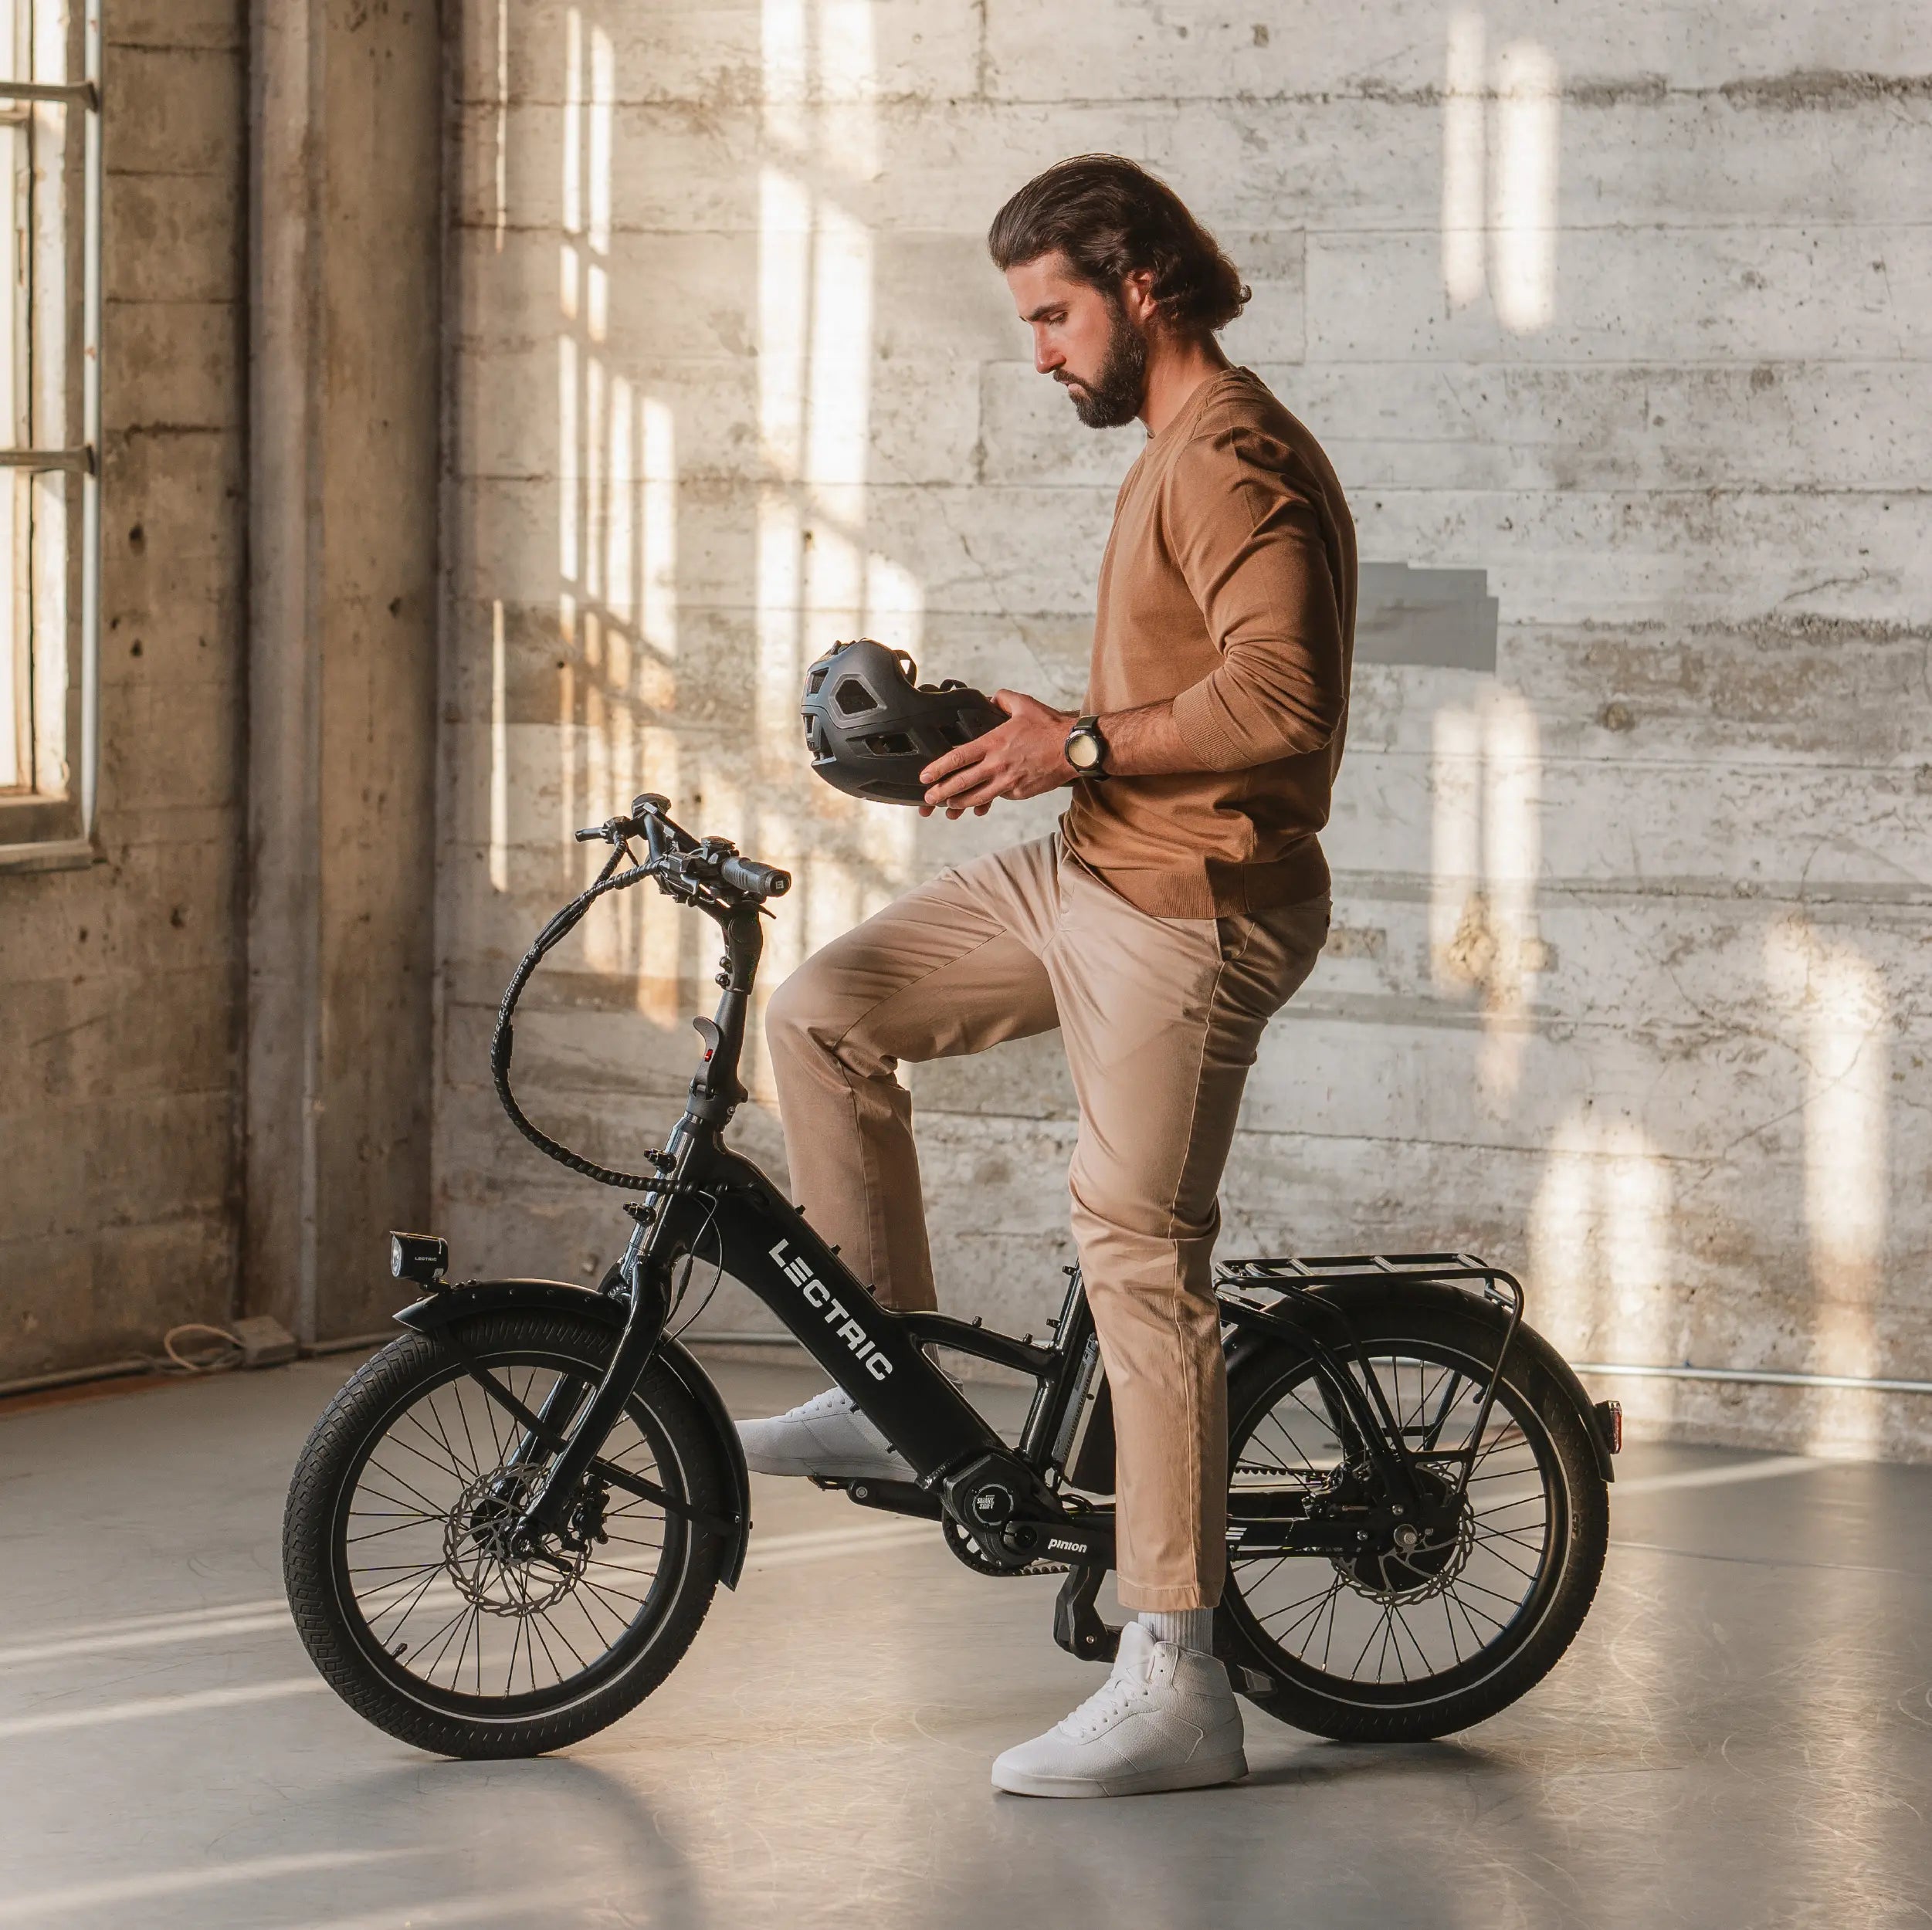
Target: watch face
(1082, 752)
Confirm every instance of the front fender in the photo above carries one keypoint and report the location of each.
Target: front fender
(437, 1311)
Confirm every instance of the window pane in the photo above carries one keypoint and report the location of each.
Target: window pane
(16, 627)
(51, 500)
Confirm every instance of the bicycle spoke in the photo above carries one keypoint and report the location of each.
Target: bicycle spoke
(374, 1532)
(443, 1434)
(407, 1604)
(1335, 1596)
(389, 1474)
(462, 1414)
(1497, 1554)
(516, 1637)
(602, 1590)
(442, 1463)
(1364, 1656)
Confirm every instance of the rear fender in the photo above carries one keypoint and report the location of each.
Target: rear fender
(437, 1311)
(1255, 1328)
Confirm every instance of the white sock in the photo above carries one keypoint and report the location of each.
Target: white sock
(1191, 1628)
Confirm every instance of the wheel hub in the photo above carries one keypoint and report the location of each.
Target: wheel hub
(1402, 1559)
(490, 1559)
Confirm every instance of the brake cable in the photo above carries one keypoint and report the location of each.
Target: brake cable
(503, 1041)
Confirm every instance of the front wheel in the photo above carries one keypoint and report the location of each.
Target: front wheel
(405, 1588)
(1420, 1632)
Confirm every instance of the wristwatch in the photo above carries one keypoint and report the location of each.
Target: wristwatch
(1086, 749)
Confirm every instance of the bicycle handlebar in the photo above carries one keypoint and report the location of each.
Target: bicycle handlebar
(677, 858)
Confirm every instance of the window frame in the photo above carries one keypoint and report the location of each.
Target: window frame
(42, 828)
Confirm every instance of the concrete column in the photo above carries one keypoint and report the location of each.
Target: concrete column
(344, 409)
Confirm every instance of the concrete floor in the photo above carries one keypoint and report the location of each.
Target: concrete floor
(1742, 1737)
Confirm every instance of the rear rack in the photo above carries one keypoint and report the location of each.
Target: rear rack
(1288, 1277)
(1325, 1270)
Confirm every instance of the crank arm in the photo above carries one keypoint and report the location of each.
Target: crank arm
(894, 1496)
(1077, 1626)
(1086, 1541)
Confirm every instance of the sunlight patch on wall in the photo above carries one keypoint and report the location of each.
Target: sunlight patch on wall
(1602, 1246)
(1485, 783)
(498, 754)
(1502, 138)
(1528, 120)
(819, 578)
(1834, 1001)
(617, 533)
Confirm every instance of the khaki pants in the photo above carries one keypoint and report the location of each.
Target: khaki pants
(1160, 1018)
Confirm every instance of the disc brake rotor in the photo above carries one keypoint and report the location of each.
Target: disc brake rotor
(1410, 1562)
(475, 1548)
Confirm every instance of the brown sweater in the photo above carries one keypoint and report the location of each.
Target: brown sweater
(1229, 585)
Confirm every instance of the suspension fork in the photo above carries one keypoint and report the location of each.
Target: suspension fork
(550, 1506)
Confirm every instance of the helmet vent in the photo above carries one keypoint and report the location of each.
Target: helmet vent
(890, 743)
(853, 697)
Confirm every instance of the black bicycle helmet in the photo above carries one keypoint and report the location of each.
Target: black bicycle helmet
(871, 728)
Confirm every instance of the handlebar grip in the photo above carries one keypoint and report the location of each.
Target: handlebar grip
(747, 875)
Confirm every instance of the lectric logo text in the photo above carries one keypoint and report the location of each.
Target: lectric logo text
(819, 1295)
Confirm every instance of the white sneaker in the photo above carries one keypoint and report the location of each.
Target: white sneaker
(827, 1436)
(1164, 1719)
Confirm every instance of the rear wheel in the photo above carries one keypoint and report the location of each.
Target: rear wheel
(405, 1587)
(1423, 1630)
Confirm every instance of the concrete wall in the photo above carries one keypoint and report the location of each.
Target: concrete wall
(345, 412)
(217, 1038)
(1621, 306)
(120, 984)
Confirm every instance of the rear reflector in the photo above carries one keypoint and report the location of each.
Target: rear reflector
(1609, 1415)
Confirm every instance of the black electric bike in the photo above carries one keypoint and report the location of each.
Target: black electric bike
(507, 1526)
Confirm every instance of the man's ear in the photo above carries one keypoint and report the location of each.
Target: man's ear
(1137, 296)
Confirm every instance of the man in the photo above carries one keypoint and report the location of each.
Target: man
(1182, 901)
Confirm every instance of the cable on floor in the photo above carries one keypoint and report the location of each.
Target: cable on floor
(199, 1360)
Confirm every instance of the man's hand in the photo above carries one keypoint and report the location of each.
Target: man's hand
(1024, 757)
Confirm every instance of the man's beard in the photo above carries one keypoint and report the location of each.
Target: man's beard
(1113, 398)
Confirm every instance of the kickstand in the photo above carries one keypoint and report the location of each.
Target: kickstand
(1077, 1627)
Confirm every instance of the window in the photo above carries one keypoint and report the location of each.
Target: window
(50, 165)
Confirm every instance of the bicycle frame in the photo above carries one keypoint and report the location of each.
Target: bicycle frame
(702, 1199)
